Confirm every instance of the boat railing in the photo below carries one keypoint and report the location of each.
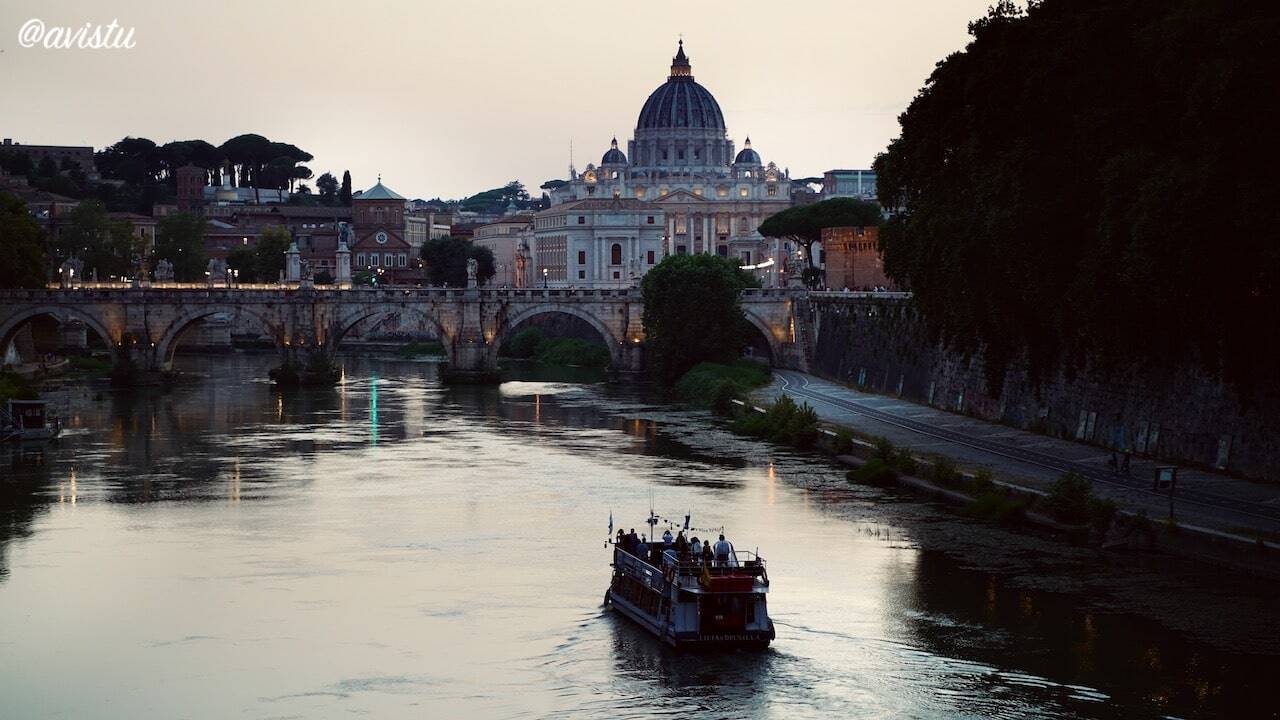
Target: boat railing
(739, 562)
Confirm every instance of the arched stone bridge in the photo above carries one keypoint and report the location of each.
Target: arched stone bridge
(145, 325)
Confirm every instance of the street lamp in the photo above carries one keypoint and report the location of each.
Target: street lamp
(544, 278)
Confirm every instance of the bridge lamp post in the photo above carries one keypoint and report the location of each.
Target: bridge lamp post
(236, 274)
(544, 278)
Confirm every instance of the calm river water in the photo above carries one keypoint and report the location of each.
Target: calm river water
(398, 548)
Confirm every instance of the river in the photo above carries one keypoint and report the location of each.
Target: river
(396, 547)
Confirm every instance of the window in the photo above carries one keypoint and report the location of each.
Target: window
(722, 191)
(359, 259)
(742, 191)
(387, 260)
(680, 155)
(615, 254)
(582, 219)
(773, 190)
(582, 257)
(401, 259)
(680, 250)
(617, 275)
(722, 251)
(746, 257)
(697, 153)
(582, 274)
(649, 220)
(650, 257)
(373, 259)
(664, 154)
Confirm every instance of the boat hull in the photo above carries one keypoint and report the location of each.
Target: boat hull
(746, 640)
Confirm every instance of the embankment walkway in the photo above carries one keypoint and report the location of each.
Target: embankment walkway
(1202, 500)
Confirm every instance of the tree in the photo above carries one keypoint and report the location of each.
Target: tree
(273, 243)
(107, 247)
(803, 224)
(244, 261)
(180, 240)
(1097, 188)
(22, 244)
(692, 312)
(344, 195)
(327, 185)
(446, 261)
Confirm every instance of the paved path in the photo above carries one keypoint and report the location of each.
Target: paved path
(1202, 499)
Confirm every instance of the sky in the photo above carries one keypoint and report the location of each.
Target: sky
(448, 99)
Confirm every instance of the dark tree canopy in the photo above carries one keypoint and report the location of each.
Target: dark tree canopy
(803, 224)
(180, 240)
(446, 261)
(107, 247)
(22, 244)
(1095, 182)
(692, 312)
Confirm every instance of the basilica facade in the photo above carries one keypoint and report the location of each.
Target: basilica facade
(709, 196)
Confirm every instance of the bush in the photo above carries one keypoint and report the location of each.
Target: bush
(715, 386)
(572, 351)
(15, 387)
(884, 449)
(873, 472)
(784, 422)
(843, 442)
(524, 344)
(905, 462)
(995, 505)
(944, 473)
(1068, 499)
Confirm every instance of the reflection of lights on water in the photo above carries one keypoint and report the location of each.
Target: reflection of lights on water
(772, 485)
(233, 492)
(279, 408)
(66, 495)
(537, 408)
(373, 409)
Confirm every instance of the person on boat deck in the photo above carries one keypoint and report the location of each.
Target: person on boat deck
(666, 537)
(632, 541)
(682, 545)
(622, 539)
(642, 549)
(696, 547)
(706, 553)
(722, 550)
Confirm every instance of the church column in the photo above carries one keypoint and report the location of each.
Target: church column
(671, 234)
(706, 234)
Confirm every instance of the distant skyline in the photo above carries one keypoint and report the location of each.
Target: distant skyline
(450, 99)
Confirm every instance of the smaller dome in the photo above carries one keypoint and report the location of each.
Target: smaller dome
(747, 156)
(614, 156)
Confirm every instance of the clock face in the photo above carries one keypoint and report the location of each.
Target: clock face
(381, 237)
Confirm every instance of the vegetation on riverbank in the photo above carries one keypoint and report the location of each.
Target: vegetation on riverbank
(16, 387)
(533, 344)
(715, 386)
(783, 422)
(418, 349)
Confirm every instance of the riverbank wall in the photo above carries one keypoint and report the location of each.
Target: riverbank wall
(1178, 415)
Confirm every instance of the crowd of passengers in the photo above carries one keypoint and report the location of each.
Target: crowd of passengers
(678, 549)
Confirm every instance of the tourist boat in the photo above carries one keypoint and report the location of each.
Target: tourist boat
(25, 420)
(691, 604)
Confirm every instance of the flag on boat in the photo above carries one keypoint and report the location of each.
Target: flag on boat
(610, 523)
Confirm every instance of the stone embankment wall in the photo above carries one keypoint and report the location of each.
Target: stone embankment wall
(1180, 415)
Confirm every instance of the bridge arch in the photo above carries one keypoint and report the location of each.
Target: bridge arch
(345, 323)
(10, 326)
(771, 339)
(511, 322)
(168, 342)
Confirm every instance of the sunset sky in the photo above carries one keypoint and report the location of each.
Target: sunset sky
(447, 99)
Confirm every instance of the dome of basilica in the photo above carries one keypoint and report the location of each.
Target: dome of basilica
(680, 102)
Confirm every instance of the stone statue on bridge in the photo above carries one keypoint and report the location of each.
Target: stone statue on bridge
(472, 268)
(163, 271)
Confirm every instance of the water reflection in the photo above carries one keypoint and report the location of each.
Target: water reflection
(392, 544)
